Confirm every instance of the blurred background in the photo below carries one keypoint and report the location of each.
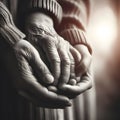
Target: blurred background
(104, 33)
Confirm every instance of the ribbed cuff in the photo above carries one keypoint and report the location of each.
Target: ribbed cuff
(7, 27)
(76, 36)
(50, 7)
(75, 13)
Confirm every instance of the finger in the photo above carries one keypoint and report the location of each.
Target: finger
(50, 49)
(28, 83)
(72, 80)
(52, 88)
(86, 59)
(76, 54)
(83, 85)
(83, 65)
(42, 103)
(65, 65)
(41, 69)
(33, 57)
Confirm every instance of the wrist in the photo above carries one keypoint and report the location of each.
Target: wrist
(39, 18)
(37, 22)
(49, 7)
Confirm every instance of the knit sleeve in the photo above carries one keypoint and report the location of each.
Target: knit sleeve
(49, 7)
(74, 21)
(8, 30)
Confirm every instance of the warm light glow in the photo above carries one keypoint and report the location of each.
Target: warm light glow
(103, 29)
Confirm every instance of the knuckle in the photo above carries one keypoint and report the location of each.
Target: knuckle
(57, 60)
(60, 38)
(32, 38)
(22, 44)
(72, 62)
(49, 38)
(23, 48)
(63, 42)
(49, 42)
(66, 61)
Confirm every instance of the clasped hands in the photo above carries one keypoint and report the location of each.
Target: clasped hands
(67, 70)
(47, 70)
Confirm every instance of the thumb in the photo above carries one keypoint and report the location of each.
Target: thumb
(35, 61)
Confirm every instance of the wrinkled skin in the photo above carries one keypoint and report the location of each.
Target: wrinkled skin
(26, 60)
(40, 81)
(61, 57)
(23, 62)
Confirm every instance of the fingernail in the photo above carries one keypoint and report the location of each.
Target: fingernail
(65, 100)
(52, 88)
(49, 79)
(72, 82)
(69, 103)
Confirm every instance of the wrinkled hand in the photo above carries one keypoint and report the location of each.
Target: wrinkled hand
(59, 53)
(61, 56)
(26, 61)
(23, 62)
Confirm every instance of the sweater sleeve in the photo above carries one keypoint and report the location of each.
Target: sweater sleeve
(49, 7)
(74, 21)
(8, 30)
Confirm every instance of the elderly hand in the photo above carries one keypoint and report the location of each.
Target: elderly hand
(61, 57)
(23, 62)
(26, 62)
(59, 53)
